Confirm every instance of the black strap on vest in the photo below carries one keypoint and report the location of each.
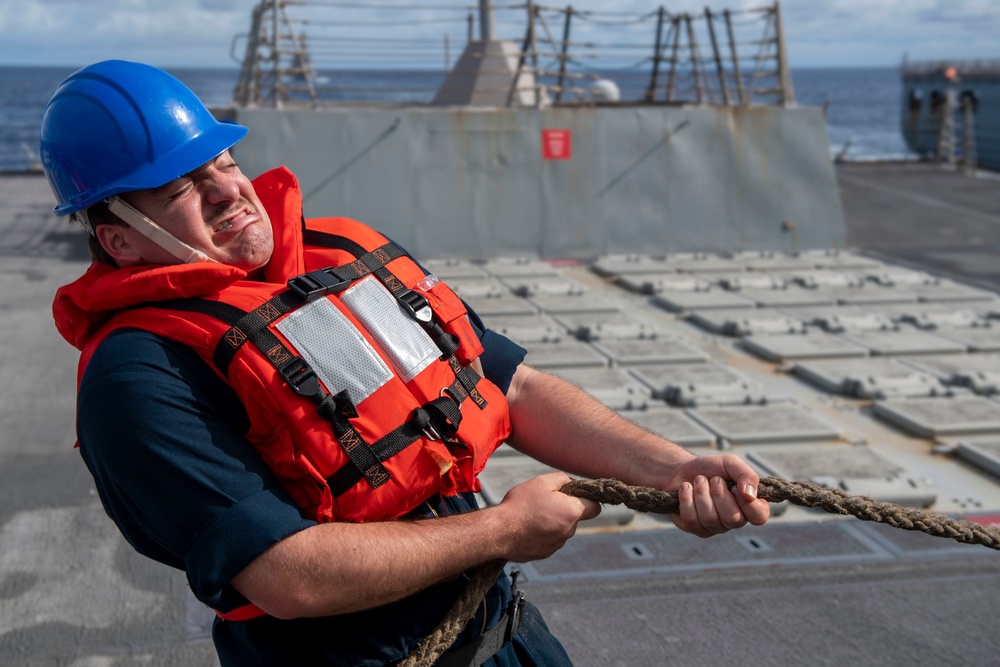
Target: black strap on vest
(223, 312)
(418, 426)
(338, 410)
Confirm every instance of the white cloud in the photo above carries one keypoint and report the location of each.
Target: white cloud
(165, 32)
(859, 32)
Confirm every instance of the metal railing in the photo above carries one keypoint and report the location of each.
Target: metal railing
(960, 68)
(943, 110)
(314, 53)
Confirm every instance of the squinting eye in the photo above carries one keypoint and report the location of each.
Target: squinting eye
(178, 194)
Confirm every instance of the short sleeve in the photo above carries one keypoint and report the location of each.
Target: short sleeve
(164, 439)
(501, 356)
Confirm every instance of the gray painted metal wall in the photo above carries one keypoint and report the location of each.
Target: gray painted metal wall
(466, 182)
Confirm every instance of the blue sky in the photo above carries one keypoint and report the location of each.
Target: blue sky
(186, 33)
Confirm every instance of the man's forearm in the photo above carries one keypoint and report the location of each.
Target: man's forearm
(559, 424)
(337, 568)
(376, 563)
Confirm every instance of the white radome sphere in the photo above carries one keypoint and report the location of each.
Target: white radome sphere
(605, 90)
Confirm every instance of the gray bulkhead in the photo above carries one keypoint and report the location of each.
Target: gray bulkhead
(473, 183)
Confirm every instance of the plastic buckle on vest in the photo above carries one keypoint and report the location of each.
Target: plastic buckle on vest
(318, 283)
(416, 305)
(300, 377)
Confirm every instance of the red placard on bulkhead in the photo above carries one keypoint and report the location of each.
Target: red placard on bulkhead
(557, 144)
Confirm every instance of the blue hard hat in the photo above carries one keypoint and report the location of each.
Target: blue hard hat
(118, 126)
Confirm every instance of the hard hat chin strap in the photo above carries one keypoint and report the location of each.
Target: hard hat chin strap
(83, 217)
(158, 235)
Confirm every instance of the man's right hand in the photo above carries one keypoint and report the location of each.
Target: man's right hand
(541, 518)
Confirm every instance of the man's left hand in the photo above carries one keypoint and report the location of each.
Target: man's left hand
(708, 506)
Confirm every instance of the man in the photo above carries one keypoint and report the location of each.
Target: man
(293, 413)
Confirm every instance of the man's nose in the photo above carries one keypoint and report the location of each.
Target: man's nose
(222, 187)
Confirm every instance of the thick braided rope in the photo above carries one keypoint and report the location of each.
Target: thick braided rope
(775, 490)
(646, 499)
(430, 649)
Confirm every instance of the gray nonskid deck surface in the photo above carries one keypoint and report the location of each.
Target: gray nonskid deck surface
(896, 613)
(926, 217)
(630, 589)
(72, 592)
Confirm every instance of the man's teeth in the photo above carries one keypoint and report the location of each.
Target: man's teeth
(224, 226)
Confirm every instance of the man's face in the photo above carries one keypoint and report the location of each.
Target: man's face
(213, 209)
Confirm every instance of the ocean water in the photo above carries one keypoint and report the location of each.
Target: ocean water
(863, 114)
(862, 103)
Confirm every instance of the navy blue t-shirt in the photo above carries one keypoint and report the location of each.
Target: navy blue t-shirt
(163, 436)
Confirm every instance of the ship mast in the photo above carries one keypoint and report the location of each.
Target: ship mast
(486, 21)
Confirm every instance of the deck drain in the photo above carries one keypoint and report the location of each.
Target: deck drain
(637, 551)
(754, 544)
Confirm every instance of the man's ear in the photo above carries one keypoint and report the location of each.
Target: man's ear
(114, 240)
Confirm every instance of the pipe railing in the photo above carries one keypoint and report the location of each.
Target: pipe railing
(310, 53)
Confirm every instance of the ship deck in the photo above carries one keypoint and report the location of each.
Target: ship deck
(629, 589)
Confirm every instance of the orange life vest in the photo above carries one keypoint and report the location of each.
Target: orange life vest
(354, 366)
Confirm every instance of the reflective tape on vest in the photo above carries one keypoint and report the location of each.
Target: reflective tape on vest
(335, 349)
(402, 339)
